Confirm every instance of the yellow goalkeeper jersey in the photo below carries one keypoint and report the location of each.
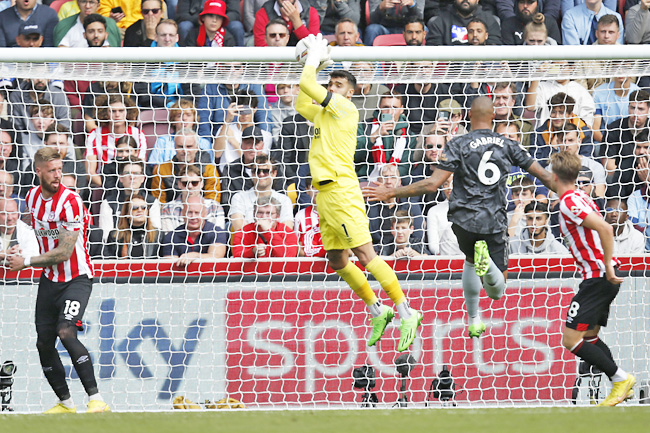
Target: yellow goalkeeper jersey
(331, 156)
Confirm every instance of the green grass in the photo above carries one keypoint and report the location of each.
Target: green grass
(629, 419)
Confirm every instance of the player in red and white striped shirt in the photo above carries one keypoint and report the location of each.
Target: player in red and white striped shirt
(60, 223)
(591, 241)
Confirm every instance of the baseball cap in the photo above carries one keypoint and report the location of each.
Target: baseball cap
(450, 105)
(216, 7)
(252, 132)
(586, 172)
(30, 29)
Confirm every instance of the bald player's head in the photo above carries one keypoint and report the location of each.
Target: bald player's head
(482, 110)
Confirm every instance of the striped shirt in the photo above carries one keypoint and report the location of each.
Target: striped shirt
(101, 143)
(64, 210)
(584, 243)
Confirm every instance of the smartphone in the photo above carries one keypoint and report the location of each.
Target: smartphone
(443, 115)
(385, 117)
(245, 111)
(117, 10)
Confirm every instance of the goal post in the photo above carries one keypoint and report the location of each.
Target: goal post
(287, 332)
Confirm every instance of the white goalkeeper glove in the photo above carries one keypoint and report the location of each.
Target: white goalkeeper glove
(318, 51)
(327, 62)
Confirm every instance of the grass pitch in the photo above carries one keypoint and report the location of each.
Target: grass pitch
(635, 419)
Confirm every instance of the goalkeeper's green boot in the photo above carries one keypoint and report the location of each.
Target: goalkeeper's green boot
(380, 323)
(408, 330)
(481, 258)
(476, 330)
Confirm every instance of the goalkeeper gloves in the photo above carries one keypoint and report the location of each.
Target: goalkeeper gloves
(318, 55)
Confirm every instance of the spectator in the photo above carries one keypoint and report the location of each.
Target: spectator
(540, 92)
(167, 93)
(522, 193)
(504, 99)
(115, 122)
(249, 10)
(123, 12)
(512, 27)
(450, 118)
(390, 16)
(568, 139)
(536, 32)
(212, 30)
(188, 12)
(415, 32)
(95, 97)
(566, 5)
(586, 183)
(189, 183)
(15, 232)
(242, 204)
(367, 91)
(126, 148)
(240, 115)
(450, 27)
(136, 237)
(143, 32)
(41, 116)
(57, 135)
(69, 32)
(380, 214)
(237, 176)
(10, 165)
(7, 187)
(607, 33)
(639, 201)
(637, 23)
(441, 239)
(336, 12)
(562, 113)
(95, 32)
(422, 98)
(284, 107)
(383, 139)
(477, 33)
(165, 175)
(277, 35)
(131, 183)
(301, 18)
(346, 33)
(216, 99)
(621, 144)
(182, 115)
(580, 23)
(265, 237)
(509, 130)
(27, 12)
(433, 144)
(402, 230)
(29, 36)
(307, 226)
(626, 178)
(197, 238)
(292, 147)
(510, 8)
(536, 237)
(28, 92)
(612, 100)
(627, 239)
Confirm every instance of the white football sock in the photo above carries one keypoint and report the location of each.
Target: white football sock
(376, 309)
(619, 376)
(495, 284)
(68, 403)
(471, 290)
(404, 311)
(97, 397)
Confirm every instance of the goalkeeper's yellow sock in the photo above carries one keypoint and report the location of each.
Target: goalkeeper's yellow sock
(358, 283)
(387, 278)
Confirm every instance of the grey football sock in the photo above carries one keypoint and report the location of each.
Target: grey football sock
(471, 289)
(494, 282)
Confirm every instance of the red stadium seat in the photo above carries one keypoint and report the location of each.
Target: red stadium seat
(392, 40)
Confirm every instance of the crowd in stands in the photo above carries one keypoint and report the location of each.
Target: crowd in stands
(229, 174)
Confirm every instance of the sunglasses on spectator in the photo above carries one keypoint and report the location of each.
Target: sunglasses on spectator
(139, 207)
(184, 183)
(277, 35)
(584, 182)
(433, 146)
(151, 11)
(263, 171)
(614, 209)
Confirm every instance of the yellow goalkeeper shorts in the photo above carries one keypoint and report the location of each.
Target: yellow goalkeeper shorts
(342, 214)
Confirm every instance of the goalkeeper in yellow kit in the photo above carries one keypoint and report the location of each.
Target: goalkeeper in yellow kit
(343, 220)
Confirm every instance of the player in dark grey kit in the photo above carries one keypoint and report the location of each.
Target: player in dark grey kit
(481, 161)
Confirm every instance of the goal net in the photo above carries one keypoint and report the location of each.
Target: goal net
(270, 325)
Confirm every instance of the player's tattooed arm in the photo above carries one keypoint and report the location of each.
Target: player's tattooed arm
(62, 252)
(542, 174)
(426, 186)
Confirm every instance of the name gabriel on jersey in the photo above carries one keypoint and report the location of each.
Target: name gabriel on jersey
(483, 141)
